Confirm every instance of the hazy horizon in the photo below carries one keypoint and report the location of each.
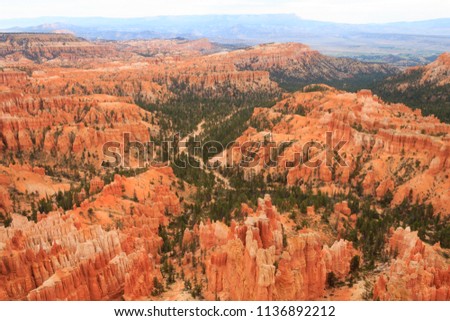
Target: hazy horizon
(215, 14)
(340, 11)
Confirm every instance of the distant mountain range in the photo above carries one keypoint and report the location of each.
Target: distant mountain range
(410, 42)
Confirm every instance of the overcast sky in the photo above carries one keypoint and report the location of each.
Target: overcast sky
(352, 11)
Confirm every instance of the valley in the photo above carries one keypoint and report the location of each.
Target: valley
(266, 209)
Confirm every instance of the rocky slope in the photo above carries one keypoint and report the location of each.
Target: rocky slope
(388, 147)
(426, 87)
(260, 259)
(199, 65)
(104, 250)
(174, 47)
(44, 47)
(295, 65)
(62, 125)
(419, 271)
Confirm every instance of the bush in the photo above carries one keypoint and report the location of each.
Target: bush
(158, 287)
(354, 263)
(331, 280)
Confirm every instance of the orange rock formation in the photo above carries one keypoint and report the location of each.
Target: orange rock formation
(69, 257)
(387, 147)
(250, 261)
(419, 271)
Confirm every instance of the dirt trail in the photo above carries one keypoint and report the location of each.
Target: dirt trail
(183, 148)
(176, 292)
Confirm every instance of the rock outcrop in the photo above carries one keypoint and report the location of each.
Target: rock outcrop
(252, 261)
(74, 256)
(40, 47)
(338, 258)
(53, 260)
(418, 271)
(423, 87)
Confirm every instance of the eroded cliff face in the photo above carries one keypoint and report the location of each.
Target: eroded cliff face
(12, 77)
(385, 147)
(423, 87)
(85, 104)
(53, 260)
(5, 202)
(438, 71)
(146, 71)
(170, 47)
(294, 64)
(105, 249)
(63, 125)
(42, 47)
(260, 260)
(435, 73)
(418, 272)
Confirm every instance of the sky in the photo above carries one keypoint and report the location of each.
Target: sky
(349, 11)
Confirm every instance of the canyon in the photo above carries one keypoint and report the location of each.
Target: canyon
(258, 220)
